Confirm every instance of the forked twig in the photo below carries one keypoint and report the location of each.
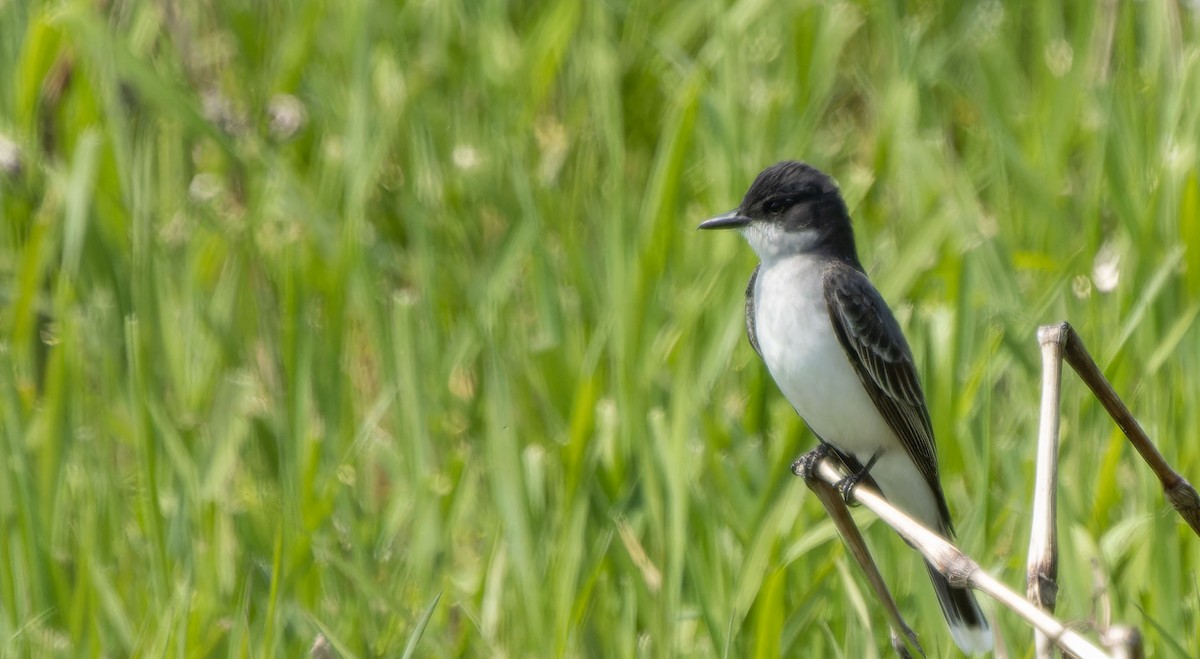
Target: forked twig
(1058, 342)
(959, 568)
(1061, 342)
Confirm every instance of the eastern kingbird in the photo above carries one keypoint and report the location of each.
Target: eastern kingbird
(836, 351)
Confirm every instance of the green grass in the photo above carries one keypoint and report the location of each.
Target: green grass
(447, 370)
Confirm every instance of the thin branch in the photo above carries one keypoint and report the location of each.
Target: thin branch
(1178, 491)
(1041, 580)
(1125, 643)
(959, 568)
(1058, 342)
(835, 505)
(1121, 641)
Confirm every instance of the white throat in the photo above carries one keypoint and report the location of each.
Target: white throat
(772, 243)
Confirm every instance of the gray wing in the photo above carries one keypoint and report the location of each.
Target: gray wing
(753, 336)
(875, 345)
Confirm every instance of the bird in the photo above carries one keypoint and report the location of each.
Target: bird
(837, 353)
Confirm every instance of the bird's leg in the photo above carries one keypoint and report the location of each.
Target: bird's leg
(805, 467)
(845, 487)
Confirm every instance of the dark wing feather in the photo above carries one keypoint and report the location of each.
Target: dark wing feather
(750, 311)
(875, 345)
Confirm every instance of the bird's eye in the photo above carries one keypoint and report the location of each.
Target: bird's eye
(776, 205)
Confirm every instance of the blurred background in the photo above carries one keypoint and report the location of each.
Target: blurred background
(361, 328)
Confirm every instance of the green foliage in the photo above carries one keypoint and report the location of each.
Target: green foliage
(384, 326)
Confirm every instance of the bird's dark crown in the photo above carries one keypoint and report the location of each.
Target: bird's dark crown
(786, 184)
(797, 197)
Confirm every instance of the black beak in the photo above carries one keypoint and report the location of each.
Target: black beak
(731, 220)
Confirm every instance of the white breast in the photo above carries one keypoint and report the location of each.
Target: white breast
(807, 361)
(809, 365)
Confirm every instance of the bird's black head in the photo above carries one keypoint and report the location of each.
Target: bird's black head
(791, 208)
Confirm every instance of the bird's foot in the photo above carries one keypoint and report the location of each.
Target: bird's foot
(845, 487)
(805, 466)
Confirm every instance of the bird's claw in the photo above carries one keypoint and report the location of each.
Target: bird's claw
(845, 487)
(805, 466)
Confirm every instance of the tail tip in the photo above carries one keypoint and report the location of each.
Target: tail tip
(972, 639)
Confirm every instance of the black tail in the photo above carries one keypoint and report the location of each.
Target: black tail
(967, 625)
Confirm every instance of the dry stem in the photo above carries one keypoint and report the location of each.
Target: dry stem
(958, 567)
